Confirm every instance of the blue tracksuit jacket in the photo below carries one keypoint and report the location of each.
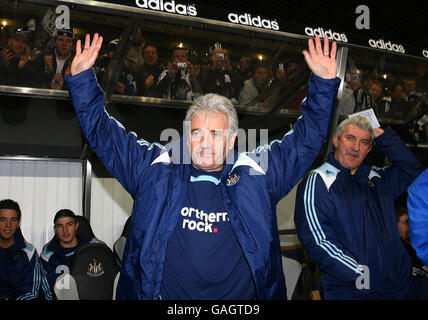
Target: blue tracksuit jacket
(158, 184)
(417, 206)
(348, 221)
(20, 271)
(53, 256)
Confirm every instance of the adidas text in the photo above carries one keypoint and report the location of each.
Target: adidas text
(248, 20)
(320, 32)
(167, 6)
(380, 44)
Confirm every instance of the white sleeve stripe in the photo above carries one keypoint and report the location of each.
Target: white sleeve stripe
(36, 284)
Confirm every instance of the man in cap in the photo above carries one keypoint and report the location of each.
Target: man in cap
(53, 64)
(58, 253)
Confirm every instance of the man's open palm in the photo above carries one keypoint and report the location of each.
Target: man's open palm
(320, 60)
(85, 59)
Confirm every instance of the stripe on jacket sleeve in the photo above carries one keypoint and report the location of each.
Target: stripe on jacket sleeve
(36, 284)
(316, 230)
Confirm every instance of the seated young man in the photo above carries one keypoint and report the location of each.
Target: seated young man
(20, 273)
(58, 253)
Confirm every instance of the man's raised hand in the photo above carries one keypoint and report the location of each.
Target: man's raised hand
(85, 59)
(321, 61)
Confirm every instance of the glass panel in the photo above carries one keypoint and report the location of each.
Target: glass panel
(182, 62)
(34, 52)
(395, 86)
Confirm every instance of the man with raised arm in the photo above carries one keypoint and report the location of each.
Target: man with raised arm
(345, 217)
(203, 227)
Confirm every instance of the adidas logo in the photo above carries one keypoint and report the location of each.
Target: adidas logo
(167, 6)
(320, 32)
(380, 44)
(425, 53)
(248, 20)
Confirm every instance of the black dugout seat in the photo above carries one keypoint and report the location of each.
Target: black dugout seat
(85, 229)
(119, 245)
(94, 274)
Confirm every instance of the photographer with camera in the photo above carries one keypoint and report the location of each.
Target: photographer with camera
(179, 81)
(220, 78)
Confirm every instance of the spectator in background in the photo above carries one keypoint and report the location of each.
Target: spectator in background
(410, 89)
(15, 60)
(417, 206)
(220, 78)
(284, 79)
(363, 100)
(135, 54)
(126, 83)
(179, 80)
(244, 69)
(20, 273)
(58, 253)
(419, 269)
(52, 65)
(375, 92)
(393, 106)
(148, 73)
(351, 85)
(256, 90)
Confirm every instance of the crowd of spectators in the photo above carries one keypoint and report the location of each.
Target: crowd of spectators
(403, 98)
(40, 61)
(31, 62)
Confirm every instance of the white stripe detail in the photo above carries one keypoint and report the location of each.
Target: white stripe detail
(36, 284)
(46, 255)
(29, 250)
(328, 174)
(374, 174)
(163, 158)
(317, 231)
(244, 160)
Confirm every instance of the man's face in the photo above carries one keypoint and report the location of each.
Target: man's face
(403, 228)
(409, 85)
(138, 37)
(352, 147)
(150, 55)
(218, 57)
(179, 56)
(354, 84)
(398, 93)
(210, 143)
(367, 83)
(18, 44)
(64, 45)
(9, 222)
(261, 75)
(66, 231)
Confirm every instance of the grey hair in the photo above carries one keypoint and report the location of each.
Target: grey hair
(359, 121)
(214, 103)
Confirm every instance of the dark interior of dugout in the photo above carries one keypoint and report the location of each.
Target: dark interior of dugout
(48, 128)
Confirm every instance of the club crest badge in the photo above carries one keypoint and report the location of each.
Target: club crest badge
(232, 179)
(95, 269)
